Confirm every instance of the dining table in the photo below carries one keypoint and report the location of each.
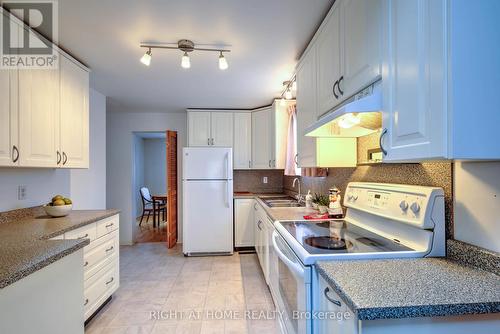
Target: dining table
(158, 200)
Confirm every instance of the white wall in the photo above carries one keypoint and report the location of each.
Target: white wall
(138, 173)
(155, 164)
(120, 149)
(88, 186)
(477, 203)
(41, 184)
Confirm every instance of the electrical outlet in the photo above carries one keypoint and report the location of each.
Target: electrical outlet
(264, 179)
(21, 193)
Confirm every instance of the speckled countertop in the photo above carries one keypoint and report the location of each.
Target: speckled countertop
(24, 244)
(407, 288)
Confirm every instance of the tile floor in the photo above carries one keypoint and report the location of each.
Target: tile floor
(186, 295)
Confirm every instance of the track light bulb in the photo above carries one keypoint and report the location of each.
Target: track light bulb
(185, 61)
(146, 59)
(222, 62)
(288, 94)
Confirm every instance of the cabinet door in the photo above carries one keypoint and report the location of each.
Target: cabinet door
(415, 88)
(8, 118)
(306, 109)
(262, 149)
(222, 129)
(198, 128)
(244, 223)
(362, 44)
(329, 301)
(38, 117)
(242, 145)
(328, 58)
(257, 231)
(74, 115)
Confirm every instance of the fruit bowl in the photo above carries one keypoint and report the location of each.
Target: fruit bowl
(58, 211)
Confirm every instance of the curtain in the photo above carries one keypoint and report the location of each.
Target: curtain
(291, 143)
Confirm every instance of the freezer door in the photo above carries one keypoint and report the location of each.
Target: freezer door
(214, 163)
(208, 217)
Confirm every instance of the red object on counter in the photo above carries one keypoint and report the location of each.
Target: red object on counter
(317, 216)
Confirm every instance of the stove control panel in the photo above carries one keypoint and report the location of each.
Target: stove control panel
(409, 204)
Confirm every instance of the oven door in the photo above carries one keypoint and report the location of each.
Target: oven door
(294, 288)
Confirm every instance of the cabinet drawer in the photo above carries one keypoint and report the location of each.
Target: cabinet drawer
(102, 286)
(99, 256)
(107, 225)
(85, 232)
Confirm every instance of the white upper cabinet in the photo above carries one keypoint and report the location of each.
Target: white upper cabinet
(361, 22)
(306, 109)
(38, 117)
(262, 132)
(9, 154)
(207, 128)
(242, 145)
(415, 96)
(74, 115)
(328, 68)
(222, 129)
(199, 128)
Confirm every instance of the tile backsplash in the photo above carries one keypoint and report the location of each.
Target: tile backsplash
(436, 174)
(252, 181)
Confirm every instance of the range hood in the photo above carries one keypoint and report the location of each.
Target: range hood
(358, 116)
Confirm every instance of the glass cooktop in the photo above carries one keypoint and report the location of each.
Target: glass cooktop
(338, 236)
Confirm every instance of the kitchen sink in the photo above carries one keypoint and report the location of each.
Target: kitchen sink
(281, 202)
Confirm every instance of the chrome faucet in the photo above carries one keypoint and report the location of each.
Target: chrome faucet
(299, 195)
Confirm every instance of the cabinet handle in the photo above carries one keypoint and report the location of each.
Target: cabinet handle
(86, 264)
(15, 153)
(109, 225)
(249, 164)
(58, 157)
(110, 249)
(274, 163)
(296, 159)
(336, 302)
(380, 141)
(212, 142)
(85, 236)
(255, 206)
(338, 85)
(208, 141)
(86, 302)
(258, 225)
(334, 93)
(65, 158)
(269, 163)
(110, 281)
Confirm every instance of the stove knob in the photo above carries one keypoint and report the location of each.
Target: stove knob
(355, 196)
(349, 196)
(415, 207)
(403, 205)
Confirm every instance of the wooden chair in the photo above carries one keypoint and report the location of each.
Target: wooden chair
(150, 205)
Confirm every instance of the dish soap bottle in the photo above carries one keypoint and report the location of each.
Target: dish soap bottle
(309, 199)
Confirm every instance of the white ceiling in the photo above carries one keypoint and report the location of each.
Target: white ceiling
(266, 38)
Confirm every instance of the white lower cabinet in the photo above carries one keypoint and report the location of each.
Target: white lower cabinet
(329, 301)
(100, 261)
(244, 233)
(262, 240)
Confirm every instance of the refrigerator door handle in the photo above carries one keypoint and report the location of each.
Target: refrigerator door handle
(228, 195)
(227, 166)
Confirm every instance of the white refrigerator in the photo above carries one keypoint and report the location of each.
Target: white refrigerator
(207, 180)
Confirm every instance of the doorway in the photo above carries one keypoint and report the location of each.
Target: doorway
(155, 187)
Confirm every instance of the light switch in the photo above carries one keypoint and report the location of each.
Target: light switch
(264, 179)
(21, 193)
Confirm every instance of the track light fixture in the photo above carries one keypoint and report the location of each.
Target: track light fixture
(146, 59)
(288, 86)
(186, 46)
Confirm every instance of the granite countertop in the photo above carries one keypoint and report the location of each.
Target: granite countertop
(407, 288)
(25, 246)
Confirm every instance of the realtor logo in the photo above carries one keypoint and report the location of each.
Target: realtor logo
(23, 48)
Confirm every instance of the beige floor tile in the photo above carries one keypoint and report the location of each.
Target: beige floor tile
(212, 327)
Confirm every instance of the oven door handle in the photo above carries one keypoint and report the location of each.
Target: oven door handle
(293, 266)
